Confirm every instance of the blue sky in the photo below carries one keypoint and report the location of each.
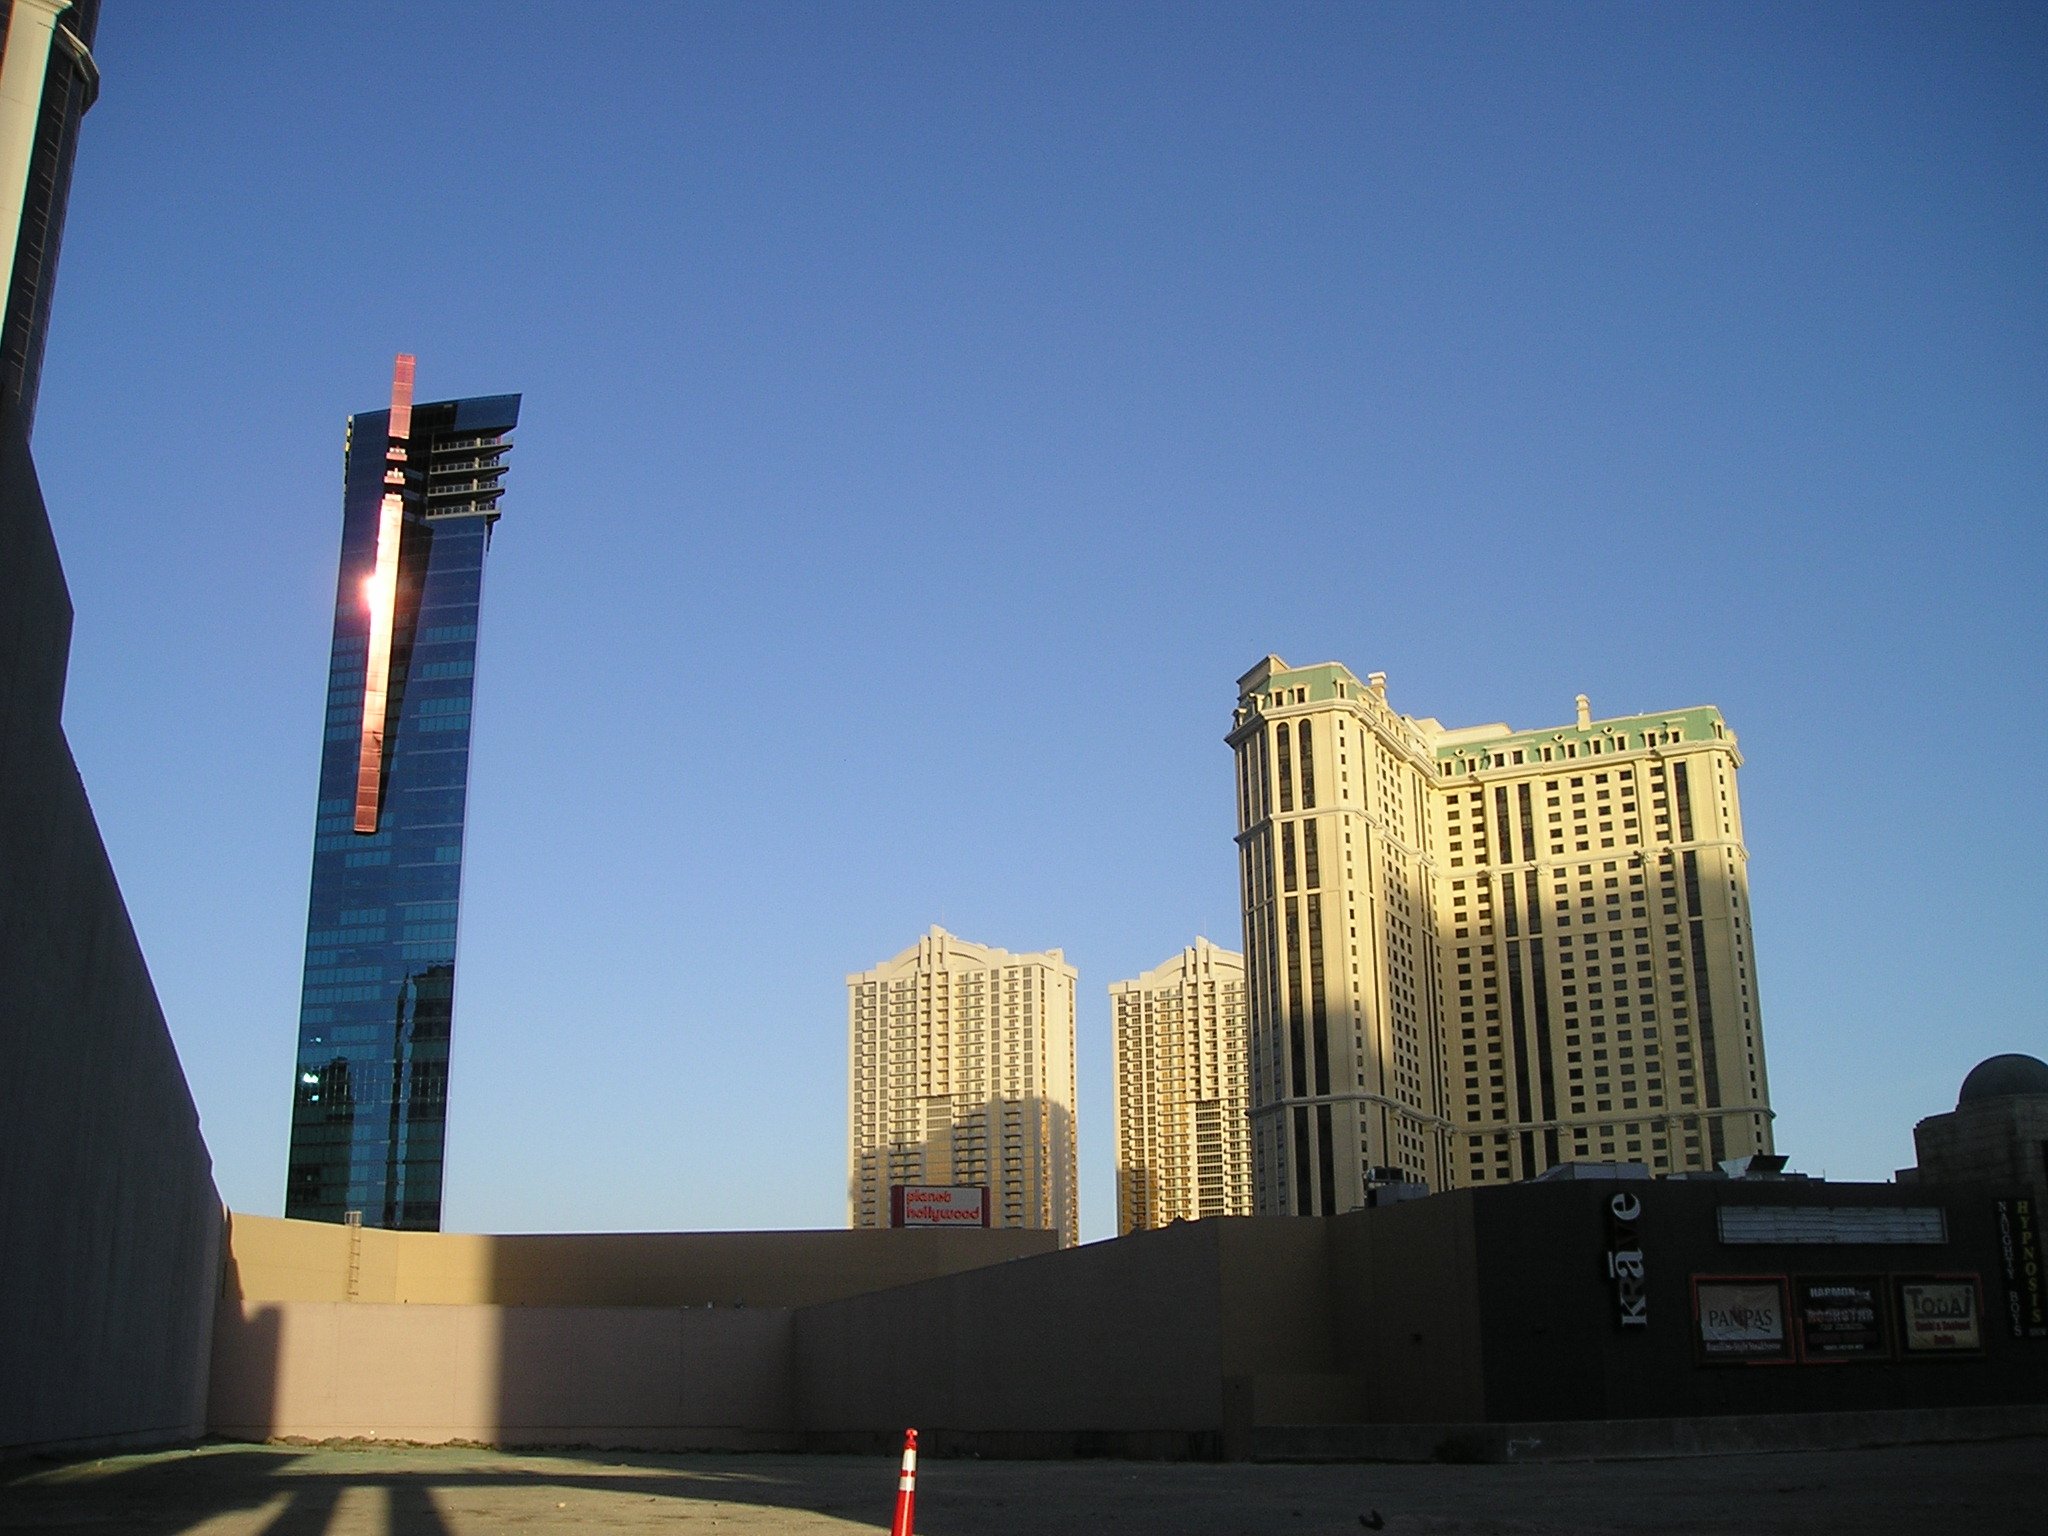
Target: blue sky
(930, 411)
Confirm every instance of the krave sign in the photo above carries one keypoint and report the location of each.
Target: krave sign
(1625, 1260)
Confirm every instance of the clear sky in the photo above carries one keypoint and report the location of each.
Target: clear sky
(931, 410)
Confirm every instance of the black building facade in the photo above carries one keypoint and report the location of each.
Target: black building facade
(369, 1106)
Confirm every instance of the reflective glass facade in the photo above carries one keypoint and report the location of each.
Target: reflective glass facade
(370, 1099)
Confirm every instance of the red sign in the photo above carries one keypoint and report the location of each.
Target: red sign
(938, 1205)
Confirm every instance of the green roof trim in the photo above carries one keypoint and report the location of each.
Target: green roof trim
(1477, 746)
(1321, 681)
(1687, 725)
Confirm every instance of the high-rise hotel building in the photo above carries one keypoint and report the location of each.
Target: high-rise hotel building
(48, 81)
(370, 1103)
(961, 1071)
(1472, 954)
(1183, 1144)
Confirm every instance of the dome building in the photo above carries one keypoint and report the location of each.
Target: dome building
(1998, 1131)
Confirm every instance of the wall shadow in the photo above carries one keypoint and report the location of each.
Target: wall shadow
(660, 1341)
(246, 1370)
(289, 1491)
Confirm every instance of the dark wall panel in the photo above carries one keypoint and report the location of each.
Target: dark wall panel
(1090, 1349)
(1555, 1348)
(109, 1222)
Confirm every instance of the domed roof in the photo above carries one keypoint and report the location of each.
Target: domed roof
(2003, 1077)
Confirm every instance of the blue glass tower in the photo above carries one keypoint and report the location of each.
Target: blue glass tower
(369, 1107)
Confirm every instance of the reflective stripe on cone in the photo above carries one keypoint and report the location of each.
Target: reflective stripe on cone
(906, 1487)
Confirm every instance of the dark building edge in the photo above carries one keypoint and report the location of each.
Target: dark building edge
(113, 1225)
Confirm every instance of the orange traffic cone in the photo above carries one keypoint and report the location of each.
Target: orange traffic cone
(906, 1487)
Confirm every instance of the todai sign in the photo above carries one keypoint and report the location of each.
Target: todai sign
(1940, 1314)
(938, 1205)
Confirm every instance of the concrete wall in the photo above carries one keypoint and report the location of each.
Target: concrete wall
(1172, 1343)
(1280, 1314)
(1488, 1306)
(109, 1223)
(1168, 1343)
(1407, 1313)
(646, 1377)
(1109, 1347)
(270, 1259)
(660, 1340)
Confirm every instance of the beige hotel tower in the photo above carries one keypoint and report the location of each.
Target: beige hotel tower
(1472, 954)
(961, 1071)
(1183, 1145)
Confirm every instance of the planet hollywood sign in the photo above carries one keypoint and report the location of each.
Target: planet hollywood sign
(938, 1205)
(1625, 1261)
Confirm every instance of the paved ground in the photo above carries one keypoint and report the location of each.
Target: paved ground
(1996, 1489)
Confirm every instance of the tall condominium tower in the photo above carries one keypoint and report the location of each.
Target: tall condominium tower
(422, 484)
(1472, 954)
(1183, 1146)
(47, 81)
(961, 1066)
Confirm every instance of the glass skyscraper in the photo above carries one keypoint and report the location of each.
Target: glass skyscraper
(369, 1108)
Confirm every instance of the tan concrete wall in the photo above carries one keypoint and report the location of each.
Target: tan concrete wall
(270, 1259)
(647, 1377)
(1174, 1342)
(655, 1340)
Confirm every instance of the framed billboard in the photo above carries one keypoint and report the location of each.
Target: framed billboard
(1741, 1319)
(1840, 1318)
(938, 1205)
(1941, 1315)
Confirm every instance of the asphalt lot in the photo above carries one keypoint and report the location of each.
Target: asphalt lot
(1987, 1489)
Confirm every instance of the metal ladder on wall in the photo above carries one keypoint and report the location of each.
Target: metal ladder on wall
(353, 1220)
